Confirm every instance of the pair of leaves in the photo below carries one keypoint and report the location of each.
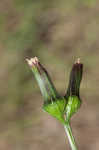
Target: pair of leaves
(62, 108)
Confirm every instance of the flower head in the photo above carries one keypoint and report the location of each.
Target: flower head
(72, 95)
(75, 79)
(46, 86)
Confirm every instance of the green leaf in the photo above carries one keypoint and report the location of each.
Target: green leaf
(72, 106)
(56, 109)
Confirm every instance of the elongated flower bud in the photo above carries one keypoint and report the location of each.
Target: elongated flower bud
(53, 103)
(75, 79)
(46, 86)
(72, 95)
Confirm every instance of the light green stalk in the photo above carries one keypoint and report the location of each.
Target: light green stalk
(70, 136)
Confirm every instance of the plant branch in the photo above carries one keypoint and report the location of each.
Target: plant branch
(70, 136)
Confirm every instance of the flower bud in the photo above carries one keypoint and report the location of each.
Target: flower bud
(53, 103)
(75, 79)
(72, 95)
(46, 86)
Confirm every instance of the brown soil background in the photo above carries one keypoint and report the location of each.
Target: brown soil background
(58, 32)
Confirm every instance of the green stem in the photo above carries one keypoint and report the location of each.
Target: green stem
(70, 136)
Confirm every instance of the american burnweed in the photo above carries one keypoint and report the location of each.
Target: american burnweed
(60, 107)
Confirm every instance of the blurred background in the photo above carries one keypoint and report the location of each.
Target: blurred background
(57, 32)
